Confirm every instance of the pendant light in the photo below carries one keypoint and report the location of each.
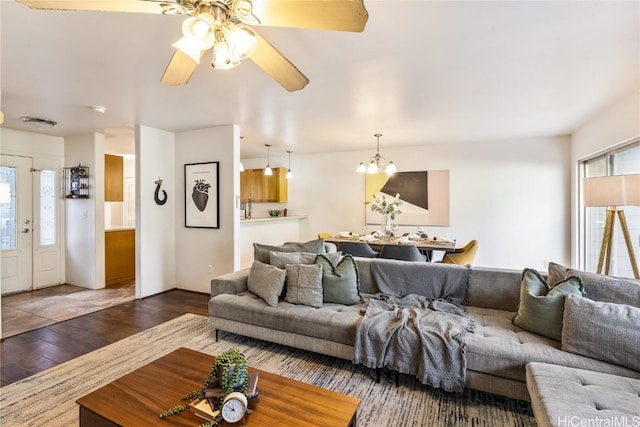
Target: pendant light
(377, 163)
(289, 174)
(267, 170)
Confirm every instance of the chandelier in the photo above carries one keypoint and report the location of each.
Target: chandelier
(377, 163)
(211, 28)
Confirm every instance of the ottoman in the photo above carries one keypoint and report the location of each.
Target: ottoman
(567, 397)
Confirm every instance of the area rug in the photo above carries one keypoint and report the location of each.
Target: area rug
(32, 310)
(48, 398)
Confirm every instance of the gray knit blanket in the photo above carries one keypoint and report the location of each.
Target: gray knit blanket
(417, 336)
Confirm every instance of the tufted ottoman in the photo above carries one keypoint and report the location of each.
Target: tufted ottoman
(569, 397)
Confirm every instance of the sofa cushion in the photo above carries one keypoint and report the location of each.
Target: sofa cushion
(562, 396)
(540, 309)
(261, 252)
(266, 281)
(332, 322)
(609, 289)
(340, 282)
(602, 330)
(304, 284)
(499, 348)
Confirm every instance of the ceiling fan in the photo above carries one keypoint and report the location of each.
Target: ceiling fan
(224, 27)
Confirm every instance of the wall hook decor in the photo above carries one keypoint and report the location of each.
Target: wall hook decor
(157, 193)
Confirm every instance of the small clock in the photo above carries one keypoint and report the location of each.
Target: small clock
(234, 407)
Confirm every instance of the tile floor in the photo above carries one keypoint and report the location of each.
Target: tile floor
(31, 310)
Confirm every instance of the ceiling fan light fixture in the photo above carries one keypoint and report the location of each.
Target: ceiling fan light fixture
(190, 47)
(223, 58)
(201, 28)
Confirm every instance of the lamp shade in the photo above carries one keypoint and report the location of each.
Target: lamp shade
(616, 190)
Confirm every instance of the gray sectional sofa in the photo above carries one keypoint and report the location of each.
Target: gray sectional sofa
(497, 351)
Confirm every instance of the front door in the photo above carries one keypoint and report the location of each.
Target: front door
(16, 228)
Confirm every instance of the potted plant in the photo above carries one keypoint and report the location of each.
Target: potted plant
(389, 211)
(228, 373)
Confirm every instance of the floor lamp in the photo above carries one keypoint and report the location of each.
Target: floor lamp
(613, 191)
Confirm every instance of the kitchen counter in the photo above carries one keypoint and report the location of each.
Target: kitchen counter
(268, 230)
(272, 218)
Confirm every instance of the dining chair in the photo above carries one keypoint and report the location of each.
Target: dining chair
(463, 255)
(324, 235)
(360, 249)
(402, 252)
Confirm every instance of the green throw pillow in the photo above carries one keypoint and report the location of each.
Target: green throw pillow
(340, 283)
(541, 307)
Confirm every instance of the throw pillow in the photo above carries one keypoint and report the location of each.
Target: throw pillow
(602, 330)
(609, 289)
(261, 252)
(281, 259)
(540, 308)
(340, 283)
(304, 284)
(266, 281)
(556, 273)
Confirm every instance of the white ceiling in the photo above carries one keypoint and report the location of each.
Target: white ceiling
(421, 72)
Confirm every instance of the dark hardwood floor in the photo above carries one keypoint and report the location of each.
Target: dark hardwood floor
(32, 352)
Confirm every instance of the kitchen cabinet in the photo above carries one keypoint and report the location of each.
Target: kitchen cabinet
(119, 256)
(113, 178)
(264, 189)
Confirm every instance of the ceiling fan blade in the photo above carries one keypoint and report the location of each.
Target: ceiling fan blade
(277, 66)
(336, 15)
(100, 5)
(180, 69)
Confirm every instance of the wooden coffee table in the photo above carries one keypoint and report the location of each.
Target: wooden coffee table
(137, 398)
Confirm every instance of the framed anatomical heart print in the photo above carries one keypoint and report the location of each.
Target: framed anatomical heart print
(201, 195)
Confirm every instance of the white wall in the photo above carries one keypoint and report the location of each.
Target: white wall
(197, 248)
(512, 196)
(155, 224)
(84, 218)
(613, 126)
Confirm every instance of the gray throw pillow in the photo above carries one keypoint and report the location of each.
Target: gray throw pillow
(266, 281)
(540, 308)
(608, 288)
(602, 330)
(556, 273)
(281, 259)
(340, 283)
(261, 252)
(304, 284)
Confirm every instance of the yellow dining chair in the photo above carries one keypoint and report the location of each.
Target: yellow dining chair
(324, 235)
(462, 256)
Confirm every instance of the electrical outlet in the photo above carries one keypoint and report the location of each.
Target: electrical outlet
(210, 269)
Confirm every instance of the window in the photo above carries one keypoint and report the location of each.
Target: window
(47, 207)
(8, 213)
(622, 161)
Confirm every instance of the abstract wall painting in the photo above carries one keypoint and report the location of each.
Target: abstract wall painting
(425, 196)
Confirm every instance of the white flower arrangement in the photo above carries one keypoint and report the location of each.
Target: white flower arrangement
(380, 205)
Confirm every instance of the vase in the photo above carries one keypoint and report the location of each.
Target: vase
(385, 228)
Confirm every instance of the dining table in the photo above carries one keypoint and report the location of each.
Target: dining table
(425, 245)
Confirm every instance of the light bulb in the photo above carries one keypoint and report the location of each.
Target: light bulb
(373, 168)
(242, 40)
(391, 169)
(361, 168)
(190, 47)
(201, 29)
(289, 174)
(223, 58)
(268, 171)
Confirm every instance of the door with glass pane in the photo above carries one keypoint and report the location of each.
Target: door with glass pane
(16, 242)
